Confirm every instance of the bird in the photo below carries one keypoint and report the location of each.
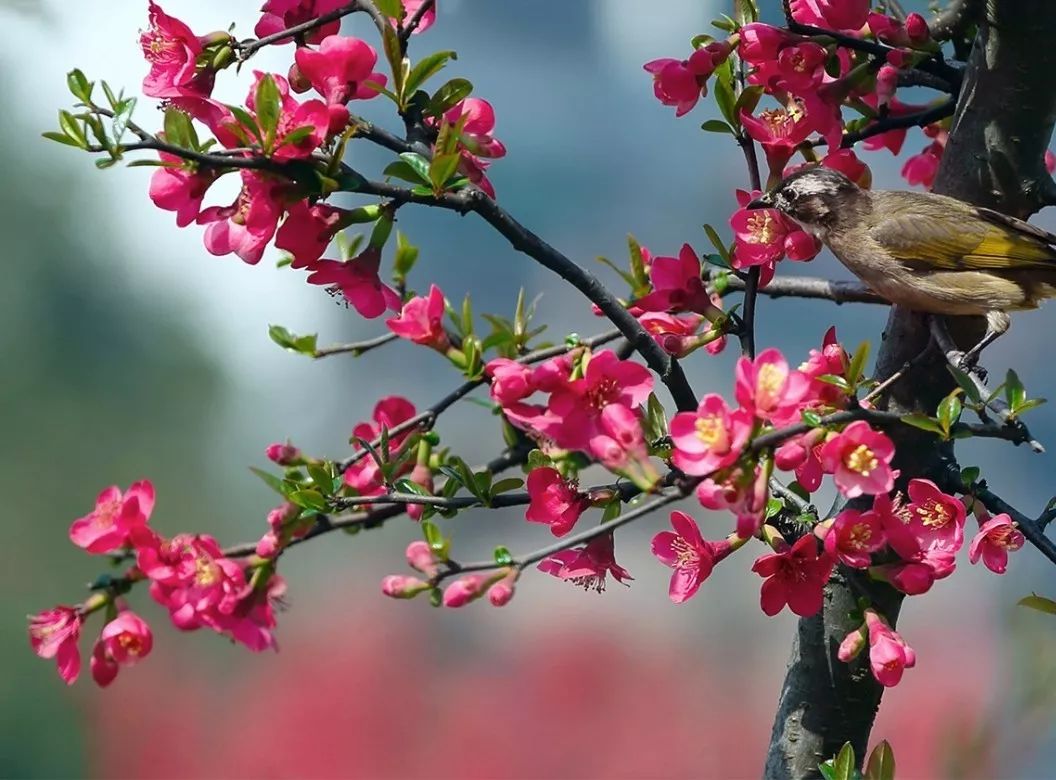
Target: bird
(923, 251)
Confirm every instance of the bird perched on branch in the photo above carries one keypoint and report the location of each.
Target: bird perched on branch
(923, 251)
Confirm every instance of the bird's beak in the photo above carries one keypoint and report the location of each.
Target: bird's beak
(762, 202)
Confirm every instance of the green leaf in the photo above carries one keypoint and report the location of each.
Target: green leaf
(924, 422)
(856, 368)
(827, 770)
(837, 381)
(1040, 603)
(61, 138)
(404, 259)
(969, 475)
(305, 345)
(748, 99)
(881, 763)
(503, 557)
(506, 485)
(716, 242)
(270, 480)
(813, 419)
(612, 510)
(428, 67)
(745, 12)
(773, 507)
(321, 477)
(418, 163)
(638, 272)
(448, 95)
(391, 45)
(247, 128)
(442, 168)
(1026, 406)
(465, 325)
(72, 128)
(716, 126)
(1015, 393)
(843, 767)
(393, 9)
(971, 392)
(268, 109)
(404, 171)
(949, 411)
(432, 534)
(79, 86)
(309, 499)
(724, 96)
(179, 130)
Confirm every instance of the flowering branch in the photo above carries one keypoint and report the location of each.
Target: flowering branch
(357, 348)
(247, 49)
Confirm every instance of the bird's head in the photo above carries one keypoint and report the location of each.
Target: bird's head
(817, 198)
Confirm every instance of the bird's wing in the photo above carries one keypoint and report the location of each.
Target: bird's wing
(980, 240)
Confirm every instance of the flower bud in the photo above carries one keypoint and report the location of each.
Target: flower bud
(420, 558)
(852, 645)
(269, 545)
(280, 515)
(917, 28)
(399, 586)
(501, 592)
(463, 590)
(284, 454)
(298, 81)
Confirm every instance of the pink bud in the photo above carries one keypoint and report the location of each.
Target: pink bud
(501, 592)
(852, 645)
(281, 515)
(399, 586)
(420, 558)
(463, 590)
(298, 82)
(917, 27)
(268, 546)
(283, 454)
(886, 84)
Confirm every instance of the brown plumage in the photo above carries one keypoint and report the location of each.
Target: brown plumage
(924, 251)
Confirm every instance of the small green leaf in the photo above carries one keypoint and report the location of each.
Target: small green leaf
(267, 101)
(447, 96)
(949, 411)
(405, 172)
(971, 392)
(309, 499)
(179, 130)
(79, 86)
(1026, 406)
(506, 485)
(72, 128)
(612, 510)
(503, 557)
(881, 763)
(321, 477)
(745, 12)
(716, 242)
(748, 99)
(856, 367)
(270, 480)
(443, 168)
(62, 139)
(405, 258)
(724, 96)
(773, 507)
(1015, 393)
(393, 9)
(969, 475)
(924, 422)
(827, 770)
(428, 67)
(837, 381)
(1040, 603)
(811, 418)
(716, 126)
(843, 765)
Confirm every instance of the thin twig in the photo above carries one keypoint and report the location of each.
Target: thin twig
(248, 48)
(357, 348)
(838, 292)
(407, 29)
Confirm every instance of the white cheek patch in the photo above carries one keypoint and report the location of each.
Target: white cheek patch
(810, 185)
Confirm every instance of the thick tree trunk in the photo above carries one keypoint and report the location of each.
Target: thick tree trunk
(1004, 120)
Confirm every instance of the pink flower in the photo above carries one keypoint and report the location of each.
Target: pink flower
(800, 68)
(889, 655)
(743, 493)
(410, 9)
(54, 634)
(501, 593)
(283, 454)
(400, 586)
(831, 359)
(846, 162)
(464, 590)
(768, 389)
(476, 141)
(555, 501)
(803, 454)
(578, 404)
(831, 14)
(913, 32)
(358, 281)
(620, 442)
(677, 334)
(764, 236)
(180, 186)
(796, 576)
(711, 438)
(339, 71)
(422, 476)
(510, 381)
(677, 285)
(853, 537)
(364, 475)
(587, 566)
(252, 621)
(997, 537)
(301, 128)
(859, 459)
(687, 552)
(680, 83)
(123, 642)
(107, 527)
(779, 131)
(421, 320)
(246, 226)
(172, 51)
(307, 231)
(932, 519)
(282, 14)
(921, 168)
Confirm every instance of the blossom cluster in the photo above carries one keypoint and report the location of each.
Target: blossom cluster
(188, 574)
(272, 122)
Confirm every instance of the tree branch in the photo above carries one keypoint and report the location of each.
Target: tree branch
(357, 348)
(807, 287)
(248, 48)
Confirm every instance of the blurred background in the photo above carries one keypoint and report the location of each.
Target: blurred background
(129, 352)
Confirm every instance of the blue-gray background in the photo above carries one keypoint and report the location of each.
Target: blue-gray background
(129, 352)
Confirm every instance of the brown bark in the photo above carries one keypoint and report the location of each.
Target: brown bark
(1004, 120)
